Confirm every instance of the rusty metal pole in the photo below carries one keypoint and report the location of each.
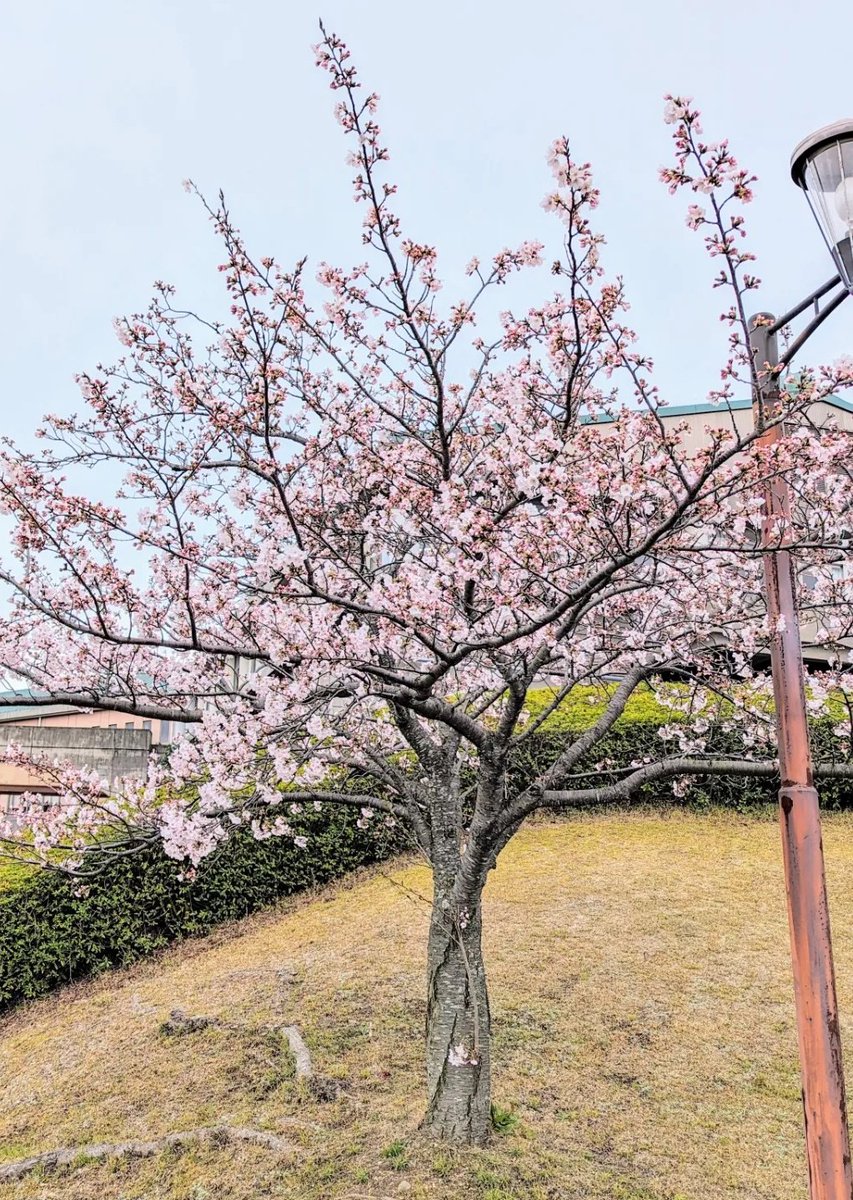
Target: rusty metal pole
(824, 1102)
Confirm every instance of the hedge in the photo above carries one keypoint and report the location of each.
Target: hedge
(53, 930)
(635, 737)
(50, 933)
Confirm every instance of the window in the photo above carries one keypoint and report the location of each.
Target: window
(129, 725)
(146, 725)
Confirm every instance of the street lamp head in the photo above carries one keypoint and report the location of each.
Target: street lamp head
(822, 165)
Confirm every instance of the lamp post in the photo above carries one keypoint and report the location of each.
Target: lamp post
(822, 165)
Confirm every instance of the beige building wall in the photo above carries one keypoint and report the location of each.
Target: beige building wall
(107, 729)
(738, 416)
(699, 418)
(113, 753)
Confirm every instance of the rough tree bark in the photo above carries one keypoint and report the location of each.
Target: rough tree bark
(458, 1029)
(458, 1024)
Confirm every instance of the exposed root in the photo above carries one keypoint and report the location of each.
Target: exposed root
(179, 1023)
(66, 1156)
(322, 1089)
(317, 1086)
(301, 1055)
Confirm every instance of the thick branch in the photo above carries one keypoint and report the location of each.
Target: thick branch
(590, 737)
(94, 700)
(625, 789)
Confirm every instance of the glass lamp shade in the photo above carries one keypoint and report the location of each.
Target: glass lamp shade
(822, 165)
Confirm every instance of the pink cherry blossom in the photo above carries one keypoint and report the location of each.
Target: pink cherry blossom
(358, 529)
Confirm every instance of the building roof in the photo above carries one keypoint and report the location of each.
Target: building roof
(29, 712)
(9, 713)
(689, 410)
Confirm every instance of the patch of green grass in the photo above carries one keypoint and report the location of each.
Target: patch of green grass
(442, 1165)
(11, 1150)
(504, 1120)
(13, 874)
(339, 1039)
(485, 1177)
(396, 1154)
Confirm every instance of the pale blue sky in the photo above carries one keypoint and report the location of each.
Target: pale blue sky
(110, 104)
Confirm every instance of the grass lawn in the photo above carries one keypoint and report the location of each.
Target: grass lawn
(12, 873)
(644, 1033)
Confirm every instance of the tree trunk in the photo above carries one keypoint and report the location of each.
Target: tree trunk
(457, 1029)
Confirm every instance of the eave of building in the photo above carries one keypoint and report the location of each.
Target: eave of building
(691, 410)
(32, 712)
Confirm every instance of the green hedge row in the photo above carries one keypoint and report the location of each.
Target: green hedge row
(635, 738)
(53, 931)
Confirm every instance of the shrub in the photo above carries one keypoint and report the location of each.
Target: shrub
(54, 929)
(635, 738)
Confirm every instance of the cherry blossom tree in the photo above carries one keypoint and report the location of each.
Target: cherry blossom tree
(354, 532)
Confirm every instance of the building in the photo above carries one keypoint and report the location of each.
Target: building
(737, 416)
(69, 716)
(113, 753)
(112, 743)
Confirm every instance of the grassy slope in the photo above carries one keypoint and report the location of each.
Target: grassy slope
(643, 1033)
(12, 874)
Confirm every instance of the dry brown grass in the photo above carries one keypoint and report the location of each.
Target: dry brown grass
(643, 1033)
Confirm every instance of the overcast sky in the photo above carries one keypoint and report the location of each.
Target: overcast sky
(110, 104)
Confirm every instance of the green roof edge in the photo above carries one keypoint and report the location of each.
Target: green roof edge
(686, 410)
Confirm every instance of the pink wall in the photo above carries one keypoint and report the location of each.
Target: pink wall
(161, 731)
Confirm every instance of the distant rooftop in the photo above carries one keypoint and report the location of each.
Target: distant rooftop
(10, 713)
(689, 410)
